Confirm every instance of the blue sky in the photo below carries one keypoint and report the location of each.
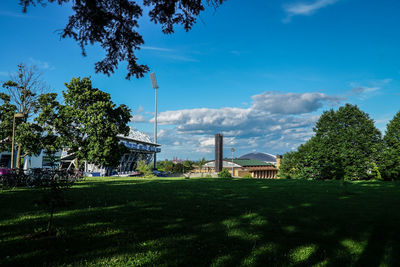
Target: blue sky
(260, 72)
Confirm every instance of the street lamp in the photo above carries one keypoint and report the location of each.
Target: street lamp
(16, 115)
(232, 150)
(155, 87)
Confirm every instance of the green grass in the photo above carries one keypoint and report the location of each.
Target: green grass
(202, 222)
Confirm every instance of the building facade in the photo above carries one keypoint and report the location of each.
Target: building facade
(243, 167)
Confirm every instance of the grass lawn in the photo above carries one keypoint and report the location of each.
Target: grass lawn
(202, 222)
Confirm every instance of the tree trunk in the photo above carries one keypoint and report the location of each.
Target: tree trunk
(18, 157)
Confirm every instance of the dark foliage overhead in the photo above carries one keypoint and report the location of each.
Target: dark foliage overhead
(114, 23)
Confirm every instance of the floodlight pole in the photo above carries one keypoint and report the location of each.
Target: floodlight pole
(155, 128)
(155, 87)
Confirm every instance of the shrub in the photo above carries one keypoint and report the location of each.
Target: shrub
(375, 173)
(224, 174)
(247, 176)
(145, 169)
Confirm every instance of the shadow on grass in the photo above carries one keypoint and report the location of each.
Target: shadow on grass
(220, 222)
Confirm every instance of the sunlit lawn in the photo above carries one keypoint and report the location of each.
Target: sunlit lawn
(201, 222)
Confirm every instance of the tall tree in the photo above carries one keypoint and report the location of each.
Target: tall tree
(114, 23)
(346, 145)
(202, 162)
(391, 153)
(90, 123)
(50, 124)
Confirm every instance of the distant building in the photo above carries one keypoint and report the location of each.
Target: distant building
(242, 167)
(176, 160)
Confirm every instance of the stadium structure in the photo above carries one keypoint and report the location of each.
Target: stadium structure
(139, 144)
(140, 148)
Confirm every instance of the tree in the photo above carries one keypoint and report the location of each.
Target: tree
(187, 165)
(165, 166)
(391, 152)
(7, 111)
(300, 164)
(178, 168)
(89, 123)
(287, 169)
(346, 146)
(114, 23)
(50, 122)
(145, 169)
(26, 133)
(23, 90)
(202, 162)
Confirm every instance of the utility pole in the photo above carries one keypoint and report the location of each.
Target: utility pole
(155, 87)
(16, 115)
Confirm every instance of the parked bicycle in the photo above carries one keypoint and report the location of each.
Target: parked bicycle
(38, 177)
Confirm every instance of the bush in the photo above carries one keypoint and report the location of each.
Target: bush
(208, 176)
(178, 168)
(375, 173)
(247, 176)
(145, 169)
(224, 174)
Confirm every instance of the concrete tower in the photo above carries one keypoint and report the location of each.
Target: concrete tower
(218, 152)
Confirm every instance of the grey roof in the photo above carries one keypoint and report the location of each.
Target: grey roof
(259, 156)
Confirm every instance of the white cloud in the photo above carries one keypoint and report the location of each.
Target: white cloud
(139, 118)
(140, 109)
(206, 142)
(41, 64)
(172, 54)
(275, 123)
(199, 120)
(365, 91)
(162, 49)
(360, 90)
(305, 8)
(292, 103)
(176, 57)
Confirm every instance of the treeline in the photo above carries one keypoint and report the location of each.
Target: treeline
(179, 167)
(347, 146)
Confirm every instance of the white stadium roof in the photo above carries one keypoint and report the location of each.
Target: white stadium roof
(135, 135)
